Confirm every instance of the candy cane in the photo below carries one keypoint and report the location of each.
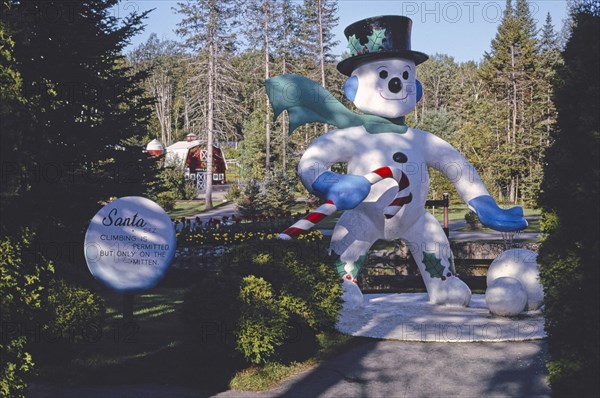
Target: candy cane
(327, 209)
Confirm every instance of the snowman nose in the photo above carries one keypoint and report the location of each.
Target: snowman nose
(395, 85)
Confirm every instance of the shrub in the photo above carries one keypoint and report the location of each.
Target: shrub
(262, 324)
(471, 217)
(16, 363)
(234, 192)
(170, 178)
(189, 190)
(31, 299)
(272, 297)
(472, 220)
(77, 311)
(250, 202)
(166, 200)
(23, 276)
(279, 194)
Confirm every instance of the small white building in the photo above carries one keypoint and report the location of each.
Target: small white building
(155, 148)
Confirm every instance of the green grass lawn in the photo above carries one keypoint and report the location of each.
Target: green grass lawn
(186, 208)
(190, 208)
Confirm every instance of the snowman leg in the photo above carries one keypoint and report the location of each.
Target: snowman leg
(348, 271)
(430, 248)
(352, 238)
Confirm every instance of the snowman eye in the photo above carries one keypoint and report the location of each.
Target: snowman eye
(383, 74)
(405, 75)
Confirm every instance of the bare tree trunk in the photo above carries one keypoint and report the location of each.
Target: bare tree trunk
(283, 119)
(210, 114)
(321, 49)
(176, 118)
(186, 114)
(268, 104)
(513, 185)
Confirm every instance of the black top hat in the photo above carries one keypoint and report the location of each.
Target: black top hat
(379, 37)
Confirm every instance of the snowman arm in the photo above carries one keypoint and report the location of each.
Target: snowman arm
(345, 190)
(332, 147)
(443, 157)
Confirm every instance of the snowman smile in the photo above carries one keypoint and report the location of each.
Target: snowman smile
(392, 99)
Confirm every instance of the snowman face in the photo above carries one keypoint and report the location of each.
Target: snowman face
(386, 87)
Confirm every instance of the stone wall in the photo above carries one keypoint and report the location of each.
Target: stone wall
(471, 258)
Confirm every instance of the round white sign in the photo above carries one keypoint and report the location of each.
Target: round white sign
(130, 244)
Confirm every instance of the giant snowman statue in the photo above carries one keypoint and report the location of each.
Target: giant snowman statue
(387, 182)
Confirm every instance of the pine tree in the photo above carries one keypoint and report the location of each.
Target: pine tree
(548, 62)
(523, 14)
(285, 49)
(569, 255)
(81, 103)
(316, 39)
(508, 71)
(261, 31)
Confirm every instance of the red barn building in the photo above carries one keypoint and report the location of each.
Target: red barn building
(191, 155)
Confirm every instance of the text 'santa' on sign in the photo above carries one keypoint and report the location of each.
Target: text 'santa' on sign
(130, 244)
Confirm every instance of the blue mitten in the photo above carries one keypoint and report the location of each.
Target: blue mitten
(346, 191)
(503, 220)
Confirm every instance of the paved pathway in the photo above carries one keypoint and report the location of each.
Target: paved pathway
(378, 368)
(386, 368)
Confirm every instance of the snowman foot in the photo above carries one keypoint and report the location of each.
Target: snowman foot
(352, 296)
(450, 291)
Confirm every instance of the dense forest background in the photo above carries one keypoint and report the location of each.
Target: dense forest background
(498, 112)
(97, 100)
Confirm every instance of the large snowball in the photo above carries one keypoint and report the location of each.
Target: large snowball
(506, 296)
(520, 264)
(451, 292)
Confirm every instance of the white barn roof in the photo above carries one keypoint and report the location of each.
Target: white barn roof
(178, 151)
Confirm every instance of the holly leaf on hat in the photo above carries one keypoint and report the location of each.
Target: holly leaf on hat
(433, 265)
(375, 40)
(354, 45)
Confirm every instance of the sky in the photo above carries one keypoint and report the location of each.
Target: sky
(462, 29)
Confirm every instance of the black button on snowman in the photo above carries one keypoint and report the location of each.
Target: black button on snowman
(399, 157)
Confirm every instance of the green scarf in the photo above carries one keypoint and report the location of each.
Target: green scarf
(307, 102)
